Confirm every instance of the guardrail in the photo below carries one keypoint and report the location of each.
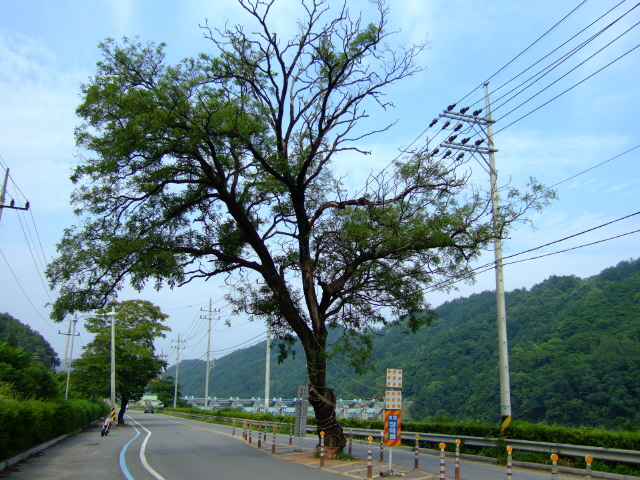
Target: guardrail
(600, 453)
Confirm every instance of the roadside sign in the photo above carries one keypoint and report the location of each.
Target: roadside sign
(392, 427)
(394, 378)
(392, 400)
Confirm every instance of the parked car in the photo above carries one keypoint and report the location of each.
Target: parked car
(149, 409)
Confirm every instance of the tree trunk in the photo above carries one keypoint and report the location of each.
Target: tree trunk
(124, 401)
(323, 401)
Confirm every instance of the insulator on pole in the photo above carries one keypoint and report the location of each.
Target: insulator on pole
(447, 154)
(460, 156)
(479, 142)
(447, 123)
(458, 127)
(451, 107)
(452, 138)
(465, 140)
(435, 152)
(477, 112)
(433, 122)
(464, 110)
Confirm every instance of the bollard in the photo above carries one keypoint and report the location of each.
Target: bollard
(458, 442)
(415, 463)
(321, 449)
(259, 436)
(442, 466)
(233, 432)
(382, 447)
(250, 432)
(554, 466)
(350, 441)
(265, 432)
(273, 444)
(369, 464)
(509, 462)
(291, 434)
(587, 471)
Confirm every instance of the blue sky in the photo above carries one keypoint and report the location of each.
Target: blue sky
(48, 49)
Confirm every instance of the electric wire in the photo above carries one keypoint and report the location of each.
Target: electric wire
(23, 291)
(523, 52)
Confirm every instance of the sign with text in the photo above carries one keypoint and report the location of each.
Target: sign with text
(392, 427)
(392, 400)
(394, 378)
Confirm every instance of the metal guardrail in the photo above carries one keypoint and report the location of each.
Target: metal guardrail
(599, 453)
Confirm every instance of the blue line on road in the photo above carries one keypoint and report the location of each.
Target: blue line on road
(123, 463)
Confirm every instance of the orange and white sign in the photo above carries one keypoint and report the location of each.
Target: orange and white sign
(394, 378)
(392, 400)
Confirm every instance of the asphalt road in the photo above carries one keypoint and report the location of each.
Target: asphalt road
(161, 447)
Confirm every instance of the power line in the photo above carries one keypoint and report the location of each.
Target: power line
(23, 291)
(595, 166)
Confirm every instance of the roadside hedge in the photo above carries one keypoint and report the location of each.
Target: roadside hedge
(25, 424)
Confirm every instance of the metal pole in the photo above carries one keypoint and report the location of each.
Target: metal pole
(267, 374)
(66, 390)
(113, 358)
(503, 352)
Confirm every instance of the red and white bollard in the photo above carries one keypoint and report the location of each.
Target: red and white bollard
(273, 444)
(265, 431)
(509, 462)
(458, 442)
(321, 449)
(259, 436)
(587, 471)
(554, 466)
(442, 465)
(415, 463)
(291, 434)
(250, 431)
(233, 432)
(382, 447)
(369, 464)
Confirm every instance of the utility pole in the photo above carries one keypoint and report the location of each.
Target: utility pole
(267, 379)
(175, 390)
(489, 150)
(206, 381)
(73, 335)
(112, 314)
(3, 194)
(66, 346)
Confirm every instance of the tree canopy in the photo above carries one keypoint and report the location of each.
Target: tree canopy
(222, 165)
(137, 324)
(27, 377)
(16, 333)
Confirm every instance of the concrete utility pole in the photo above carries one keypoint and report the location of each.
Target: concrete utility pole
(503, 351)
(490, 150)
(73, 335)
(267, 379)
(3, 194)
(206, 381)
(66, 346)
(175, 389)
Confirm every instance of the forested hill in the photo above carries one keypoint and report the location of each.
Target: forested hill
(574, 356)
(18, 334)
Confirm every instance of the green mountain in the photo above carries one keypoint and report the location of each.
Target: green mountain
(574, 352)
(18, 334)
